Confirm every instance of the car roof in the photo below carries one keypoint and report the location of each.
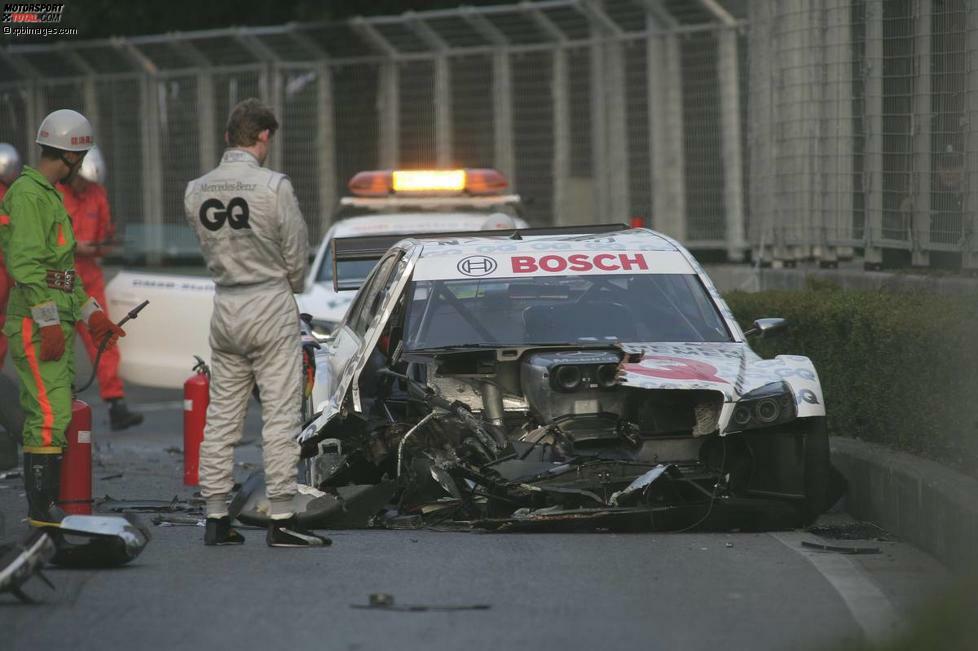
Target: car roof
(408, 222)
(625, 240)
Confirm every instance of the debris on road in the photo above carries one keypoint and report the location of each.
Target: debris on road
(853, 531)
(20, 561)
(119, 475)
(164, 520)
(839, 549)
(96, 541)
(109, 504)
(385, 601)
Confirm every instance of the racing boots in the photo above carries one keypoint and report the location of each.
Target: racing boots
(219, 531)
(288, 533)
(42, 483)
(120, 417)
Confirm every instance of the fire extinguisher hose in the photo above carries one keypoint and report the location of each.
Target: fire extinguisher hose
(133, 313)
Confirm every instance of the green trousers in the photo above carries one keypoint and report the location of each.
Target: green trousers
(45, 387)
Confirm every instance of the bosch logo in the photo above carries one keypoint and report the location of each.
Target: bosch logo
(476, 265)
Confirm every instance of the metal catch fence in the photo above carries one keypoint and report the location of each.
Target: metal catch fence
(863, 133)
(595, 110)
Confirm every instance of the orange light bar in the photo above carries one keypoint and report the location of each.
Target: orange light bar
(485, 181)
(428, 180)
(371, 184)
(381, 183)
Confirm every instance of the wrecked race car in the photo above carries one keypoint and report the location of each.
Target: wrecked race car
(576, 378)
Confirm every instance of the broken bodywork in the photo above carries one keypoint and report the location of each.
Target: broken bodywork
(566, 383)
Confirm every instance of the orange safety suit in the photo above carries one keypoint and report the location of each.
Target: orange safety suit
(92, 224)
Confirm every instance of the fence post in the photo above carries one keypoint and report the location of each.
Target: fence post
(665, 87)
(34, 109)
(443, 111)
(388, 94)
(388, 97)
(152, 171)
(920, 217)
(733, 175)
(619, 204)
(969, 257)
(561, 134)
(502, 114)
(761, 129)
(325, 144)
(813, 242)
(207, 133)
(442, 97)
(873, 156)
(837, 185)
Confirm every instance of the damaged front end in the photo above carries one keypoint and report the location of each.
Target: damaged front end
(559, 438)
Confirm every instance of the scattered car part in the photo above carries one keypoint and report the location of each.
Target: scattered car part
(20, 561)
(109, 504)
(385, 601)
(164, 520)
(94, 541)
(839, 549)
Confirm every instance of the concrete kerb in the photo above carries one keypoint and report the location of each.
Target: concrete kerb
(920, 501)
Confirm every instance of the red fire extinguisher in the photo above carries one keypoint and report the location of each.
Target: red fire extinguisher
(76, 467)
(196, 397)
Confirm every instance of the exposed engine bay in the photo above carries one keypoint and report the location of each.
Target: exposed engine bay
(550, 438)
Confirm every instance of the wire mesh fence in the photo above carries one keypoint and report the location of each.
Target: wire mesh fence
(863, 131)
(595, 110)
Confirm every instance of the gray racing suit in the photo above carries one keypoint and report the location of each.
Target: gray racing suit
(255, 244)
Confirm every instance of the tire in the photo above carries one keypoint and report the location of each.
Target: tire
(818, 472)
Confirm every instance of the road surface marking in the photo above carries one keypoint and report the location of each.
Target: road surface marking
(870, 608)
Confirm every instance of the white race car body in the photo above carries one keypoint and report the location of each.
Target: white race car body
(565, 372)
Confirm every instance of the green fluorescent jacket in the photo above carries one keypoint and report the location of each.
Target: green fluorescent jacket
(36, 236)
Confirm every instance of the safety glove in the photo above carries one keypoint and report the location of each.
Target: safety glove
(100, 325)
(52, 343)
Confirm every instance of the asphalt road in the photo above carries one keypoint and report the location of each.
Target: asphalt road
(544, 591)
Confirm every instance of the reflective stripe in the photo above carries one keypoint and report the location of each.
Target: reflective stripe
(37, 449)
(47, 422)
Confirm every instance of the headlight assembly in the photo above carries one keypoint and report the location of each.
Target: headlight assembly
(771, 404)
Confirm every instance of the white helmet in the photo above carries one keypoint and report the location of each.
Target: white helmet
(498, 221)
(10, 164)
(66, 130)
(93, 167)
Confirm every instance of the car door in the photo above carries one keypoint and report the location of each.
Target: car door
(343, 350)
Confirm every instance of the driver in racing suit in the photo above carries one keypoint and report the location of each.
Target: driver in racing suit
(255, 244)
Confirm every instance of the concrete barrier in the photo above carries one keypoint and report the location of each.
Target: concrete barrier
(916, 499)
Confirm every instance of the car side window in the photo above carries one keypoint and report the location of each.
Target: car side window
(371, 297)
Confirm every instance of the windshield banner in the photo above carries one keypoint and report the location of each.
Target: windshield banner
(550, 263)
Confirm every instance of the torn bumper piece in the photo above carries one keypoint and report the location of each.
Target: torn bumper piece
(20, 561)
(94, 541)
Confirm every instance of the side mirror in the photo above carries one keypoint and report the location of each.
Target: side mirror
(766, 327)
(324, 339)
